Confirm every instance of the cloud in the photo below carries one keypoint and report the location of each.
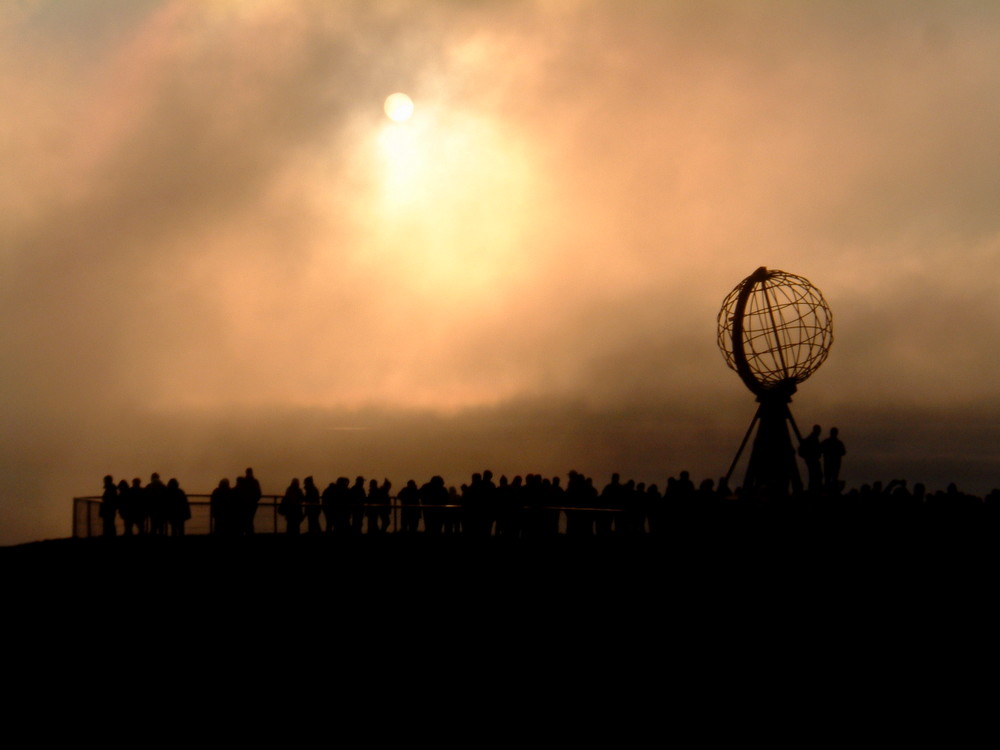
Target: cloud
(207, 215)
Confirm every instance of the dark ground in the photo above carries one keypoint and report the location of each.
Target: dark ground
(751, 560)
(817, 620)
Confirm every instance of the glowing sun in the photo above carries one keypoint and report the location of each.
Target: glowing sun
(399, 107)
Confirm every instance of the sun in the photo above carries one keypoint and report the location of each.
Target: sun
(399, 107)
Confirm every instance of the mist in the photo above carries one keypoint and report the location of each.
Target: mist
(217, 251)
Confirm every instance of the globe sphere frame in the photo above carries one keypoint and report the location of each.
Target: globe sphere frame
(775, 329)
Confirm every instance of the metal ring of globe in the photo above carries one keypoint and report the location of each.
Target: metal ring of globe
(775, 330)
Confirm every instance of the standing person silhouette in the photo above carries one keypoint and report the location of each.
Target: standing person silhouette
(310, 505)
(833, 451)
(225, 521)
(378, 510)
(409, 499)
(178, 508)
(250, 495)
(109, 506)
(156, 502)
(358, 501)
(138, 507)
(809, 450)
(127, 508)
(291, 507)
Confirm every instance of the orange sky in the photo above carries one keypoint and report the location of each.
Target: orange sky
(218, 251)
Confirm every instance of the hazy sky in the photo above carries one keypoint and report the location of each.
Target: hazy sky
(217, 251)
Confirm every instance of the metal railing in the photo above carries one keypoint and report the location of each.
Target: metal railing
(87, 521)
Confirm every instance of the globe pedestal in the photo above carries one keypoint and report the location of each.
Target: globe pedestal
(773, 471)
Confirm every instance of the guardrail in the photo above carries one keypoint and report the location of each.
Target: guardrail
(87, 521)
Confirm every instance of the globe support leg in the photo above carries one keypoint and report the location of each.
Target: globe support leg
(743, 444)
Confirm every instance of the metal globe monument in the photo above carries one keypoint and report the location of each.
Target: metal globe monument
(775, 330)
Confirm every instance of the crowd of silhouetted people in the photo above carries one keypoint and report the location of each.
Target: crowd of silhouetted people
(528, 506)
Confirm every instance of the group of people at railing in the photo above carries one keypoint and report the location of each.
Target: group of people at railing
(234, 507)
(342, 506)
(522, 506)
(155, 508)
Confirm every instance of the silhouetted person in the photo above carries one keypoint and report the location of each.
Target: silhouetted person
(336, 503)
(250, 495)
(705, 494)
(632, 519)
(489, 498)
(833, 452)
(125, 509)
(311, 506)
(479, 505)
(433, 496)
(680, 495)
(898, 498)
(452, 516)
(409, 499)
(612, 497)
(653, 505)
(290, 507)
(580, 494)
(156, 502)
(531, 517)
(809, 450)
(109, 506)
(685, 487)
(225, 518)
(327, 502)
(178, 508)
(378, 508)
(508, 501)
(135, 502)
(385, 501)
(358, 500)
(553, 498)
(475, 517)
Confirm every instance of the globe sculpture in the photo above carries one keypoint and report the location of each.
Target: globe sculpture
(775, 330)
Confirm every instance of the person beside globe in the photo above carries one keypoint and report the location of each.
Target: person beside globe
(809, 451)
(833, 451)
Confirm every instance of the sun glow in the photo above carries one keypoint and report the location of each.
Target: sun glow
(399, 107)
(454, 199)
(436, 234)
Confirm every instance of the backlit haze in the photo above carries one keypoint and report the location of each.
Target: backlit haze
(218, 251)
